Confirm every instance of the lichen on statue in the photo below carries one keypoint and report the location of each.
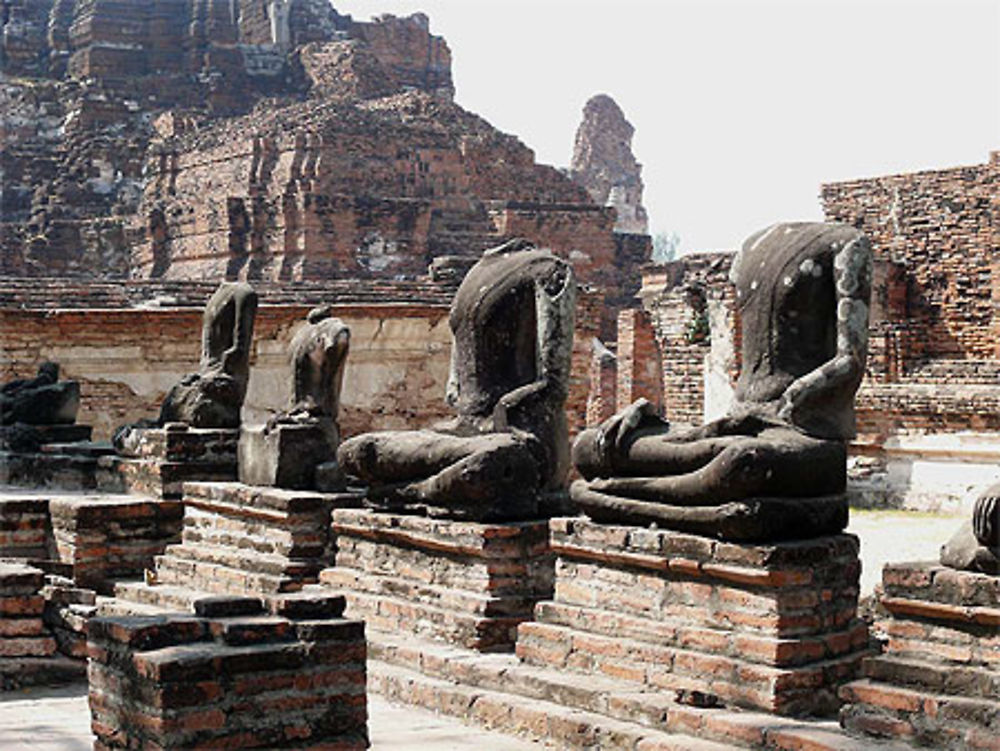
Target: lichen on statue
(775, 465)
(507, 446)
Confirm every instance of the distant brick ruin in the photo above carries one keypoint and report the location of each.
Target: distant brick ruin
(603, 163)
(178, 139)
(175, 143)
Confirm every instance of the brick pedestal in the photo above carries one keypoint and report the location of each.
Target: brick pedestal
(938, 682)
(250, 681)
(108, 537)
(27, 649)
(243, 540)
(166, 458)
(464, 583)
(770, 627)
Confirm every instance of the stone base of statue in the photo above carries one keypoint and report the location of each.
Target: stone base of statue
(769, 626)
(288, 456)
(748, 520)
(242, 540)
(465, 583)
(160, 460)
(49, 456)
(938, 682)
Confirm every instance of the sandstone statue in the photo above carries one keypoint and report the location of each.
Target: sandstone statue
(775, 465)
(212, 397)
(42, 400)
(296, 448)
(976, 545)
(507, 446)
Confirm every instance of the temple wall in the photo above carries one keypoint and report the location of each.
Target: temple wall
(127, 358)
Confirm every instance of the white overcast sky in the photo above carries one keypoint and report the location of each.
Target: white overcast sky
(741, 109)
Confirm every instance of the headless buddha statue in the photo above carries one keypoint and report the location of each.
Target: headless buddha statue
(802, 293)
(976, 545)
(512, 334)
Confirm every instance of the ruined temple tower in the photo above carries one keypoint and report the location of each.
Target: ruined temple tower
(604, 164)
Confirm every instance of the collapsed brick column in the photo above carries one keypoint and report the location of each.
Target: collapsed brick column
(938, 682)
(639, 364)
(603, 384)
(108, 537)
(464, 583)
(765, 626)
(292, 680)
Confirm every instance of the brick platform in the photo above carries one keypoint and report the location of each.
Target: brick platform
(938, 682)
(168, 457)
(569, 710)
(106, 537)
(27, 650)
(244, 540)
(237, 681)
(464, 583)
(770, 627)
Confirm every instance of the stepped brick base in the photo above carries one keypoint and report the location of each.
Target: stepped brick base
(938, 681)
(465, 583)
(27, 650)
(768, 626)
(573, 711)
(168, 457)
(24, 524)
(218, 681)
(246, 540)
(106, 537)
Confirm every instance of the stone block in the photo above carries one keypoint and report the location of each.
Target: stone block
(770, 627)
(466, 583)
(227, 682)
(285, 456)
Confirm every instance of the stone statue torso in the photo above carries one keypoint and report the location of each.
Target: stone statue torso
(494, 323)
(786, 295)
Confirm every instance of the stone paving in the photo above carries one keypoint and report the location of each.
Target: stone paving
(896, 537)
(57, 719)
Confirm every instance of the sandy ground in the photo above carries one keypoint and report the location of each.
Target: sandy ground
(896, 536)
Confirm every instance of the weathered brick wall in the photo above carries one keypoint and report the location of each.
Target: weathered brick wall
(126, 358)
(943, 228)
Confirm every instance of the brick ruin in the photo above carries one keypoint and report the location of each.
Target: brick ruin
(174, 143)
(174, 139)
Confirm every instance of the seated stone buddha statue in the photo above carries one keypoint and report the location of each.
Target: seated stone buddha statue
(507, 446)
(775, 465)
(976, 545)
